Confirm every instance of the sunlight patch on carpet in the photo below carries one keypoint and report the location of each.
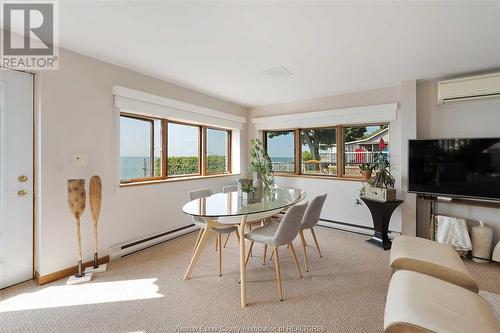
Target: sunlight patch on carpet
(91, 293)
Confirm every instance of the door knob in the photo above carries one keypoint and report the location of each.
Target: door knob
(22, 179)
(22, 193)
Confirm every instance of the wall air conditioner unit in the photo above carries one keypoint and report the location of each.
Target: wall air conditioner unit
(469, 88)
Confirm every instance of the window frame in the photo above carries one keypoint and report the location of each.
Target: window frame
(151, 121)
(202, 152)
(200, 163)
(343, 144)
(228, 152)
(300, 149)
(294, 131)
(340, 151)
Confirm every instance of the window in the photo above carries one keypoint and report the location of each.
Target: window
(361, 144)
(217, 151)
(280, 146)
(183, 149)
(140, 148)
(156, 149)
(328, 151)
(319, 151)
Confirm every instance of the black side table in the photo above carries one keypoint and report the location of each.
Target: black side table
(381, 215)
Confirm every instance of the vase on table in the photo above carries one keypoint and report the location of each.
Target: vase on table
(482, 238)
(258, 185)
(248, 198)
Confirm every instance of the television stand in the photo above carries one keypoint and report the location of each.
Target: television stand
(427, 210)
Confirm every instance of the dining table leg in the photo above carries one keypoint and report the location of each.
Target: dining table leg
(198, 250)
(243, 273)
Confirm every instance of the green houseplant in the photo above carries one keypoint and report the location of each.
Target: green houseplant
(382, 177)
(381, 186)
(247, 188)
(248, 193)
(366, 170)
(261, 169)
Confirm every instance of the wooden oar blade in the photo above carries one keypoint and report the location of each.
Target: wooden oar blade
(95, 196)
(76, 197)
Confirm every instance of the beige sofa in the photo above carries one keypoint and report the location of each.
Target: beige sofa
(420, 303)
(432, 291)
(431, 258)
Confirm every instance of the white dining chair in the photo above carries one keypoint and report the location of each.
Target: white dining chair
(279, 234)
(234, 188)
(229, 188)
(309, 221)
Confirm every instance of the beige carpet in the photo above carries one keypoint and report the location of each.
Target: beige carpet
(343, 292)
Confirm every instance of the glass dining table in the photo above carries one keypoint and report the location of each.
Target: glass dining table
(223, 209)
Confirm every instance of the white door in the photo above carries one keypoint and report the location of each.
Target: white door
(16, 177)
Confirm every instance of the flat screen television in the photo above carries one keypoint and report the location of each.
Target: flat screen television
(466, 168)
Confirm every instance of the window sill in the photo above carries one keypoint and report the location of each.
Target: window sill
(176, 179)
(351, 179)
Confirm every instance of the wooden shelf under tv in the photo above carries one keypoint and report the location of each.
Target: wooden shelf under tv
(476, 203)
(463, 202)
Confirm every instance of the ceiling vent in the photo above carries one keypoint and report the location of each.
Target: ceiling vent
(278, 72)
(469, 88)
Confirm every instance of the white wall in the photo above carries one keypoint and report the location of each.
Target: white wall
(75, 115)
(455, 120)
(408, 128)
(341, 193)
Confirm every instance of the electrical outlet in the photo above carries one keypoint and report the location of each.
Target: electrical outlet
(80, 160)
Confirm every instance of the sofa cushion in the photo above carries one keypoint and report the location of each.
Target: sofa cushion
(420, 303)
(431, 258)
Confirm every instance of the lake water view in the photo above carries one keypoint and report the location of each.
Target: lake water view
(133, 166)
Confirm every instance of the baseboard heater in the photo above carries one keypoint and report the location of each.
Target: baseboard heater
(123, 250)
(349, 227)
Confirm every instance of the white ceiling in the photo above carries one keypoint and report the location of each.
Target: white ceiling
(222, 48)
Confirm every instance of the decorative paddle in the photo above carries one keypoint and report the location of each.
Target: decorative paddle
(95, 197)
(76, 204)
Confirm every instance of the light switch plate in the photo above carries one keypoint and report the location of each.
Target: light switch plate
(80, 159)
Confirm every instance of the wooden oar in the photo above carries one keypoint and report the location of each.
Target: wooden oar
(76, 204)
(95, 196)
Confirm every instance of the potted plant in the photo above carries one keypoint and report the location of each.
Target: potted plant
(248, 193)
(381, 185)
(243, 182)
(366, 171)
(261, 169)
